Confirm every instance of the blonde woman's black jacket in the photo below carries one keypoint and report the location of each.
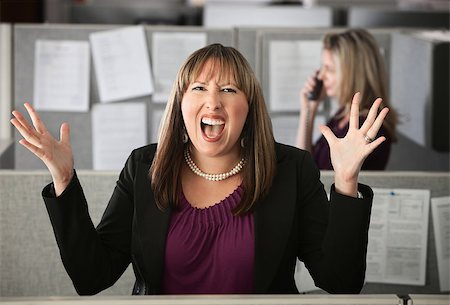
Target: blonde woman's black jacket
(294, 220)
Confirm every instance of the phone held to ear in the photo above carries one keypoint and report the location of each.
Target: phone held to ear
(314, 94)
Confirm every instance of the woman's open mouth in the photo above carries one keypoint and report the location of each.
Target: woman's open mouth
(212, 128)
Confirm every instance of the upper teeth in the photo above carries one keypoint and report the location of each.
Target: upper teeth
(212, 121)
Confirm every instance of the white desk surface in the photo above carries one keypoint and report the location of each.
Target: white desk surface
(378, 299)
(429, 299)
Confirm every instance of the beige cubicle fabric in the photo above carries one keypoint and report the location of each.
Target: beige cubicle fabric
(29, 258)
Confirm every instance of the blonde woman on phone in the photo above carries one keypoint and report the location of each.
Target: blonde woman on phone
(351, 62)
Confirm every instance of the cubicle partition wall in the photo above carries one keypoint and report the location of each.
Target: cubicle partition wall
(439, 186)
(6, 143)
(420, 93)
(5, 79)
(360, 16)
(234, 14)
(371, 14)
(426, 107)
(25, 38)
(30, 264)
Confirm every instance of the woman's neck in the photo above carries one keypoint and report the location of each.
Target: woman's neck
(215, 164)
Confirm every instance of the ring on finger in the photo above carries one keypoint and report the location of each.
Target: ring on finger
(368, 139)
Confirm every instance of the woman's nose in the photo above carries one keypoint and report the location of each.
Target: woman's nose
(213, 101)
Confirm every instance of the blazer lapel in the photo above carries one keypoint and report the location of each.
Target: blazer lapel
(152, 225)
(273, 220)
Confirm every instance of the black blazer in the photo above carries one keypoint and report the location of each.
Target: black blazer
(294, 220)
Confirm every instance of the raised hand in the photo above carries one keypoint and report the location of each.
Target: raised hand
(56, 155)
(348, 153)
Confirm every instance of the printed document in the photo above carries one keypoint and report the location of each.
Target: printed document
(290, 65)
(398, 236)
(61, 75)
(121, 64)
(117, 129)
(440, 208)
(169, 51)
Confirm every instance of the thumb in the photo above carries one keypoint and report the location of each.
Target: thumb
(65, 133)
(327, 133)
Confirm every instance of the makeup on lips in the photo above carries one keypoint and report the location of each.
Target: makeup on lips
(212, 127)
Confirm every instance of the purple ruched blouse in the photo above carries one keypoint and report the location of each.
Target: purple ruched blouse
(209, 251)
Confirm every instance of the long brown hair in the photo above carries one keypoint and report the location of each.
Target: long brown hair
(361, 69)
(259, 148)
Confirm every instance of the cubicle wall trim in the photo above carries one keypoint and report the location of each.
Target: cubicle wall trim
(6, 79)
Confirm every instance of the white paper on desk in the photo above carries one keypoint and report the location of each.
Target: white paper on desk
(117, 129)
(440, 208)
(398, 236)
(121, 63)
(285, 128)
(290, 65)
(61, 75)
(303, 280)
(169, 51)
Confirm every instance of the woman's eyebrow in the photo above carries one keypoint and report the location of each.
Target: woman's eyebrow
(198, 82)
(217, 84)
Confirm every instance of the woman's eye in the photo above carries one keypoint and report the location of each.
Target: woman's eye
(229, 90)
(198, 88)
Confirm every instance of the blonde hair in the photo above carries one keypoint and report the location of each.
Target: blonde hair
(361, 69)
(259, 148)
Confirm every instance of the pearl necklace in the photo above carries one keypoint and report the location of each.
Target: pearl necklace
(212, 177)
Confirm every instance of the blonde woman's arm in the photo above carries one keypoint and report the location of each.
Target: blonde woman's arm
(308, 110)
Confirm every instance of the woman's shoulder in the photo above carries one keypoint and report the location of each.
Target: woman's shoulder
(145, 153)
(291, 159)
(287, 152)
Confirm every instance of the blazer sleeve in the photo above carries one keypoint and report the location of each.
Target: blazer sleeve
(333, 234)
(94, 258)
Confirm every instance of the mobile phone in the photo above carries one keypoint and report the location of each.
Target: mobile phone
(314, 94)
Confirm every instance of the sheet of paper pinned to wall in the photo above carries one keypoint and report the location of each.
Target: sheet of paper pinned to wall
(290, 65)
(117, 129)
(121, 63)
(398, 236)
(440, 208)
(169, 51)
(61, 75)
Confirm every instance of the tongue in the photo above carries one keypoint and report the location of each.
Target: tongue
(212, 131)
